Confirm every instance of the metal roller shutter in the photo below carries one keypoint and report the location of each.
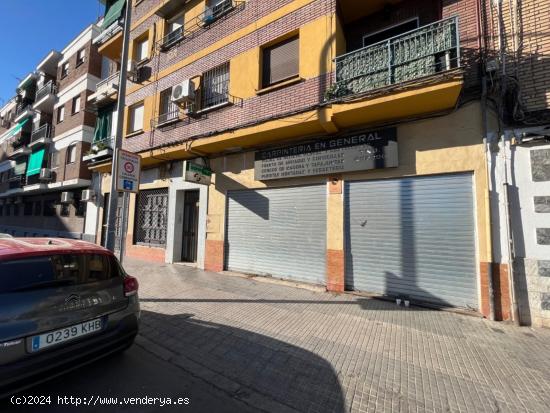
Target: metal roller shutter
(413, 237)
(279, 232)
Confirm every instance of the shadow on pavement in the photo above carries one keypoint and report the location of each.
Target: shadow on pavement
(279, 372)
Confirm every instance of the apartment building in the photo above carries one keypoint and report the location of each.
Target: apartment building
(43, 187)
(517, 75)
(336, 142)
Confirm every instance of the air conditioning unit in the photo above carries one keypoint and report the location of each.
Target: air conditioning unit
(45, 174)
(18, 200)
(183, 92)
(66, 197)
(87, 195)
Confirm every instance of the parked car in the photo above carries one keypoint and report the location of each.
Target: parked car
(63, 303)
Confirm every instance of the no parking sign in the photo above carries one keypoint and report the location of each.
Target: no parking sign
(128, 171)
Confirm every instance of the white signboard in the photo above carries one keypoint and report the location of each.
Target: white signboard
(128, 171)
(197, 173)
(358, 152)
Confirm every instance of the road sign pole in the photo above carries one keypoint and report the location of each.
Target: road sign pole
(123, 225)
(121, 102)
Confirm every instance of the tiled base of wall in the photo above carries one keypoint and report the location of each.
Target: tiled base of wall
(533, 291)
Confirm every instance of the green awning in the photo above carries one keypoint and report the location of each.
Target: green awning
(113, 13)
(17, 127)
(35, 162)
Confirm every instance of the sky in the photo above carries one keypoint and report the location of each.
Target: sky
(32, 28)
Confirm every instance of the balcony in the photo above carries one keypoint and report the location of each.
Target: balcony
(22, 111)
(105, 90)
(46, 97)
(167, 118)
(213, 13)
(41, 136)
(418, 54)
(101, 150)
(16, 182)
(171, 39)
(406, 76)
(19, 149)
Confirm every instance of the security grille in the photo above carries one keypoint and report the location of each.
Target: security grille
(152, 217)
(215, 89)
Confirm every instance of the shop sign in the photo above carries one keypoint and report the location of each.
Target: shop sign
(128, 171)
(197, 174)
(356, 152)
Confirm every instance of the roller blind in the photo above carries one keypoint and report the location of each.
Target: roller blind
(281, 61)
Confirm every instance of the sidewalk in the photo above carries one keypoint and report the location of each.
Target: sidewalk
(279, 348)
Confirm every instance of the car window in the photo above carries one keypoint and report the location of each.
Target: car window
(98, 268)
(26, 273)
(68, 267)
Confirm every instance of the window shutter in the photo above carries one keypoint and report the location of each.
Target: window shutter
(281, 61)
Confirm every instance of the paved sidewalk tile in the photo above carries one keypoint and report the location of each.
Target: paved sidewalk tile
(280, 348)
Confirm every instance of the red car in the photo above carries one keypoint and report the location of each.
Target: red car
(63, 303)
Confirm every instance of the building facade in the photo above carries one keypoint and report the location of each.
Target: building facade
(50, 129)
(517, 79)
(345, 141)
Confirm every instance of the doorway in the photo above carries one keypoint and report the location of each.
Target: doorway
(190, 226)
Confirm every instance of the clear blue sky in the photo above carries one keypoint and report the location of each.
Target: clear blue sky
(31, 28)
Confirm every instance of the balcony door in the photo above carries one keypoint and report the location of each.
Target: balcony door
(389, 32)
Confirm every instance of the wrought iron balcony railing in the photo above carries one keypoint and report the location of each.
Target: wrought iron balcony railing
(422, 52)
(171, 116)
(49, 88)
(43, 132)
(22, 107)
(214, 12)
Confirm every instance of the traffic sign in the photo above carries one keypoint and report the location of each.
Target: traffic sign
(128, 171)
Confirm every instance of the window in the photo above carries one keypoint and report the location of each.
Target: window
(8, 210)
(65, 210)
(64, 69)
(49, 208)
(152, 217)
(80, 209)
(15, 210)
(60, 114)
(38, 208)
(76, 105)
(385, 34)
(54, 159)
(168, 110)
(215, 85)
(280, 62)
(174, 30)
(71, 154)
(141, 51)
(80, 57)
(28, 208)
(136, 118)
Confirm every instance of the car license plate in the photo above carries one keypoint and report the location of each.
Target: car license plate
(63, 335)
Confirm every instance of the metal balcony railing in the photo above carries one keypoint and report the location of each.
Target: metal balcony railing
(16, 181)
(22, 107)
(422, 52)
(49, 88)
(171, 38)
(172, 115)
(111, 80)
(104, 143)
(212, 13)
(43, 132)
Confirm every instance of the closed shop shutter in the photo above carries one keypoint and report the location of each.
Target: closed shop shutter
(413, 237)
(279, 232)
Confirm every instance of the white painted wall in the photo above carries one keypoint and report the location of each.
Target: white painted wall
(175, 220)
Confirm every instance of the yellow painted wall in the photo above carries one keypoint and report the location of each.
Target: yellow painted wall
(447, 144)
(317, 45)
(244, 74)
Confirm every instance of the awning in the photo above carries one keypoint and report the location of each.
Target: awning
(16, 128)
(113, 13)
(35, 162)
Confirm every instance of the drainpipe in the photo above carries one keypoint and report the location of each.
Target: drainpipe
(510, 237)
(488, 162)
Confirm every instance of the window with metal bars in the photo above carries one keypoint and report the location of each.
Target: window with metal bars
(169, 111)
(152, 217)
(215, 86)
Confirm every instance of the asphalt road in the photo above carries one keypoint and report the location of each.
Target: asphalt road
(134, 374)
